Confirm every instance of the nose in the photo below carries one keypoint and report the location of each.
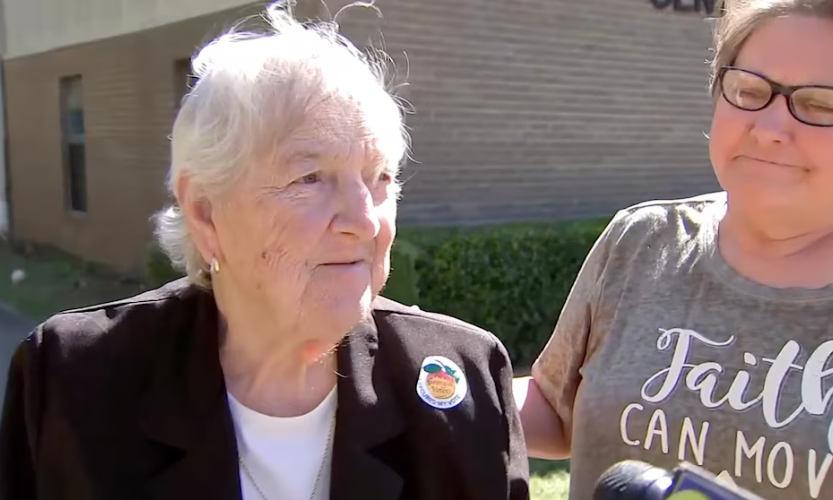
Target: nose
(774, 123)
(357, 213)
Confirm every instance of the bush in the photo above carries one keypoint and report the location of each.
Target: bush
(511, 280)
(158, 269)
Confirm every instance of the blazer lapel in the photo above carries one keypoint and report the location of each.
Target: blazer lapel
(368, 417)
(186, 414)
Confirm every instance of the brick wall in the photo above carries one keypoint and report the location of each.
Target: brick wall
(130, 93)
(538, 109)
(526, 109)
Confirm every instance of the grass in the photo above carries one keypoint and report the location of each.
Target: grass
(549, 480)
(56, 281)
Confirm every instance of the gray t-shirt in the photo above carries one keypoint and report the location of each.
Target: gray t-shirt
(664, 353)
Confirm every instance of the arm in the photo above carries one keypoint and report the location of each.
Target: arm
(543, 430)
(547, 398)
(517, 461)
(18, 431)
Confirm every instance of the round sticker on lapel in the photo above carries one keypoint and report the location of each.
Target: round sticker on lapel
(441, 383)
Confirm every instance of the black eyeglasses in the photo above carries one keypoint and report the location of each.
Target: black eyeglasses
(749, 91)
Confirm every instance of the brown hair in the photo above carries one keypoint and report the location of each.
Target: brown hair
(741, 17)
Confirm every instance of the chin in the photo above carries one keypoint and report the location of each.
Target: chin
(766, 197)
(344, 312)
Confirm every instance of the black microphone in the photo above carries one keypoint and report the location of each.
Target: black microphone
(635, 480)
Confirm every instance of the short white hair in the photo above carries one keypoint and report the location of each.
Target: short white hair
(253, 90)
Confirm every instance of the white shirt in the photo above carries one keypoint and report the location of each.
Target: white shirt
(284, 455)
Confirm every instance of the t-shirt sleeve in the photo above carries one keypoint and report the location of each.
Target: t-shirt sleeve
(557, 369)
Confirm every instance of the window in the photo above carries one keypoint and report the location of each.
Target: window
(74, 143)
(183, 81)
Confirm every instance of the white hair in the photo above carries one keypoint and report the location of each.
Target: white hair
(253, 91)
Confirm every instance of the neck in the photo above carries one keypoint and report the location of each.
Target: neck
(760, 241)
(272, 374)
(268, 367)
(774, 256)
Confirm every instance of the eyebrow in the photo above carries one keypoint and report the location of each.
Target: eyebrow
(304, 152)
(313, 151)
(757, 72)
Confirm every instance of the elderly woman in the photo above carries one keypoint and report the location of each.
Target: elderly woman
(275, 370)
(702, 329)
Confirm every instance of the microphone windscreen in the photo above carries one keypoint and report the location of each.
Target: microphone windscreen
(633, 480)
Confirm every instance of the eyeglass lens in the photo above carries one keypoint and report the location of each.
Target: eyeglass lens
(750, 92)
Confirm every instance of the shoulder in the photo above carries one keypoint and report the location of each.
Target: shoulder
(657, 232)
(412, 340)
(652, 240)
(649, 232)
(111, 336)
(414, 325)
(677, 219)
(95, 320)
(415, 319)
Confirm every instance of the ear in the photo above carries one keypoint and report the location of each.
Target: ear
(197, 209)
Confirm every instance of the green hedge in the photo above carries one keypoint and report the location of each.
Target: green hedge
(509, 279)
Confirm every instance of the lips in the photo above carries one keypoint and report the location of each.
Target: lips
(770, 162)
(345, 262)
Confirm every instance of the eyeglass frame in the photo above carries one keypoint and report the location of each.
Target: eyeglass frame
(776, 89)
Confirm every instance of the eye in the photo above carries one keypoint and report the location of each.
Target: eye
(819, 107)
(752, 93)
(311, 178)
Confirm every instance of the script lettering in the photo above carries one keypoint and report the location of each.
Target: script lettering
(701, 380)
(757, 451)
(785, 481)
(657, 427)
(815, 474)
(687, 437)
(623, 424)
(671, 376)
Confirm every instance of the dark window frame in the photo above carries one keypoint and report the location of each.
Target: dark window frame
(74, 145)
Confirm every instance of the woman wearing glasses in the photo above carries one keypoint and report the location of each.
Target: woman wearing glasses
(702, 329)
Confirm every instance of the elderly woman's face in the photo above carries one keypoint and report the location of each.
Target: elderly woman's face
(309, 237)
(767, 160)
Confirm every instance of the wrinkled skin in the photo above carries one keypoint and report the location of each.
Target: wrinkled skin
(303, 241)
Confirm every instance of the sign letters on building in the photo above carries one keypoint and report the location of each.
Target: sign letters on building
(709, 7)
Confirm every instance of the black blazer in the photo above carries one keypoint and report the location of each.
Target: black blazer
(127, 401)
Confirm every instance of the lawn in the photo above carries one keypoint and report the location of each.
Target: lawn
(549, 480)
(55, 281)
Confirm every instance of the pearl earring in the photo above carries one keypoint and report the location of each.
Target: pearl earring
(215, 266)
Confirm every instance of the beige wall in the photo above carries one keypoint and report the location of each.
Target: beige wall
(35, 26)
(545, 109)
(131, 89)
(525, 110)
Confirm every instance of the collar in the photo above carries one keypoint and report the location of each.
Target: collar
(185, 411)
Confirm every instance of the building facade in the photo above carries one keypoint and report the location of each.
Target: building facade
(524, 109)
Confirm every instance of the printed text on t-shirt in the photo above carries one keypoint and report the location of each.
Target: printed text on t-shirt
(775, 462)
